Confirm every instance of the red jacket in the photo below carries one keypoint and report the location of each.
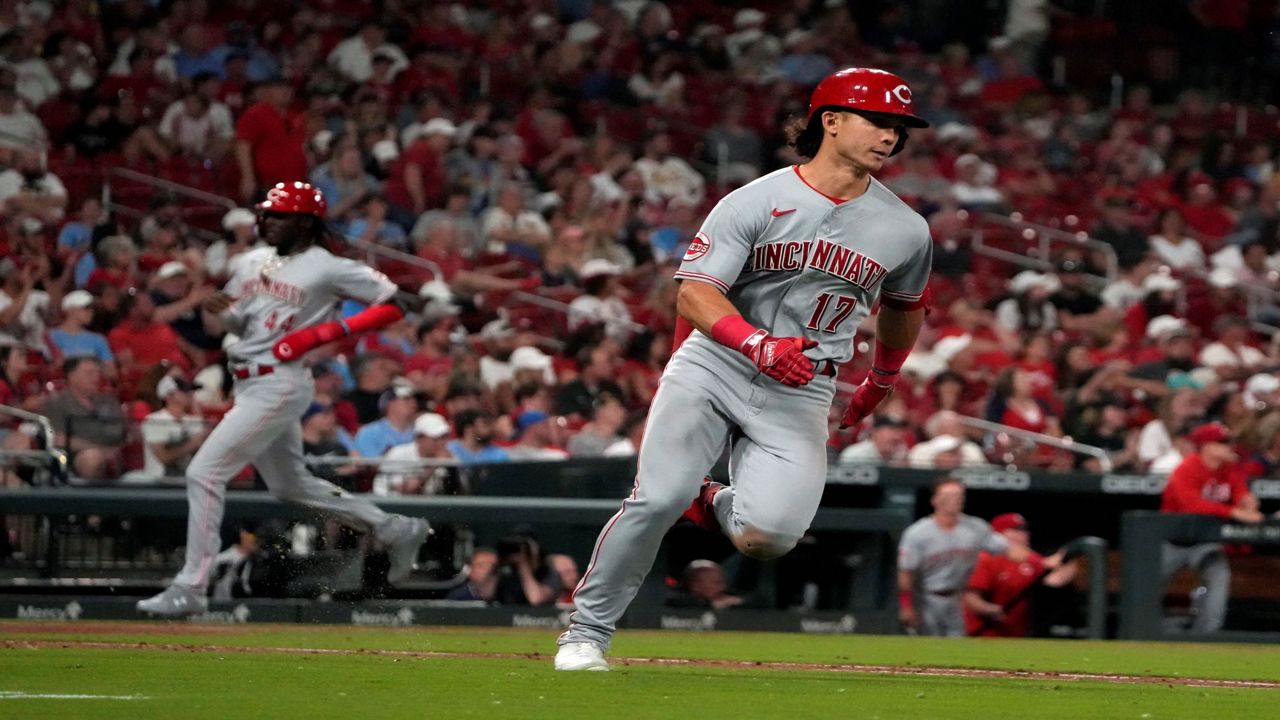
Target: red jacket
(1194, 488)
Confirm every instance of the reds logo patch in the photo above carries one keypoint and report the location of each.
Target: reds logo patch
(698, 247)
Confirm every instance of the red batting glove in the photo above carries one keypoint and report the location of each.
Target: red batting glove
(867, 397)
(782, 359)
(300, 342)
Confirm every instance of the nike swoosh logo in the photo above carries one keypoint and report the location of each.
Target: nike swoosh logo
(779, 213)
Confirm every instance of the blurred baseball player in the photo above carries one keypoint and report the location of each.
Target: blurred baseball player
(996, 595)
(935, 557)
(773, 289)
(295, 285)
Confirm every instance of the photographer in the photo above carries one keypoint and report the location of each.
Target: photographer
(524, 577)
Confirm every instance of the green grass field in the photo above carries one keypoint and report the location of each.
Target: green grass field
(134, 670)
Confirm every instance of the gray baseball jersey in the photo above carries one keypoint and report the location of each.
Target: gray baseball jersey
(943, 559)
(284, 294)
(794, 262)
(274, 296)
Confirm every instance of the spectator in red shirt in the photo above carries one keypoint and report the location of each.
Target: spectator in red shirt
(141, 341)
(1210, 482)
(269, 141)
(997, 598)
(415, 180)
(1207, 218)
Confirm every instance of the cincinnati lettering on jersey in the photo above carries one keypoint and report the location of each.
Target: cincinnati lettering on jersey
(828, 257)
(291, 294)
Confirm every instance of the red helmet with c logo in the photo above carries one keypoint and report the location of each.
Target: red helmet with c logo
(868, 90)
(295, 197)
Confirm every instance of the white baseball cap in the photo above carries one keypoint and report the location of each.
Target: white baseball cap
(170, 384)
(1260, 384)
(598, 266)
(440, 126)
(1223, 278)
(238, 217)
(77, 299)
(173, 268)
(431, 425)
(1160, 281)
(529, 358)
(1165, 326)
(384, 151)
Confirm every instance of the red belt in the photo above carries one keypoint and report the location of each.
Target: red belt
(243, 372)
(826, 367)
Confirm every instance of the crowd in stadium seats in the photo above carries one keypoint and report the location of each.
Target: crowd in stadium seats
(569, 150)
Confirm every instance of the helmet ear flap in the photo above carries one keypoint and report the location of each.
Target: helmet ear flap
(902, 141)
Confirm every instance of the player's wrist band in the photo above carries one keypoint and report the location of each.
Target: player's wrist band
(905, 600)
(733, 331)
(889, 360)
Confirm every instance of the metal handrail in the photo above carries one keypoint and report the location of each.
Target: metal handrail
(51, 451)
(1044, 235)
(1104, 459)
(173, 187)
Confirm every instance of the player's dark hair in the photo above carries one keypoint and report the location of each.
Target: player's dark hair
(805, 135)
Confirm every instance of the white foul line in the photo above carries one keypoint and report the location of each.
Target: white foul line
(19, 695)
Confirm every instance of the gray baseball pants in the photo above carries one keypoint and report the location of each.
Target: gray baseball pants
(778, 468)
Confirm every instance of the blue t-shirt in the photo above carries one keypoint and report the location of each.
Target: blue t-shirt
(379, 436)
(75, 236)
(81, 344)
(485, 455)
(389, 233)
(84, 268)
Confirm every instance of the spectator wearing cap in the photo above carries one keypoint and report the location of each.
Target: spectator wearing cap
(597, 366)
(1210, 482)
(87, 422)
(1078, 306)
(23, 306)
(1118, 227)
(997, 600)
(269, 141)
(538, 437)
(602, 430)
(416, 179)
(399, 405)
(1175, 352)
(948, 446)
(602, 302)
(71, 339)
(403, 471)
(239, 235)
(172, 435)
(474, 444)
(1231, 356)
(1029, 308)
(322, 436)
(178, 300)
(886, 444)
(353, 57)
(1173, 246)
(28, 187)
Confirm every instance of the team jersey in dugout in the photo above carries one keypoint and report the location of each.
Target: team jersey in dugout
(276, 295)
(796, 262)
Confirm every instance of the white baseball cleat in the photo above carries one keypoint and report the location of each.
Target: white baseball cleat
(176, 601)
(402, 548)
(581, 656)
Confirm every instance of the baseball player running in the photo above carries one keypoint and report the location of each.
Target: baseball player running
(775, 285)
(935, 557)
(293, 283)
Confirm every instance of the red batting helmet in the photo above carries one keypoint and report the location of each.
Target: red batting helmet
(295, 197)
(868, 90)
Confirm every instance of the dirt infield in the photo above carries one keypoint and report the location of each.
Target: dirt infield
(887, 670)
